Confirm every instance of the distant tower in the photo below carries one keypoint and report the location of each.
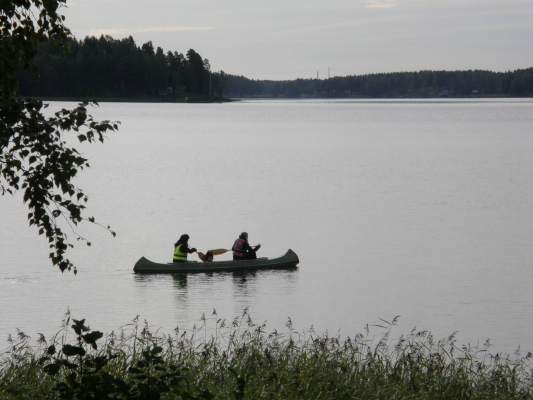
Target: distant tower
(328, 72)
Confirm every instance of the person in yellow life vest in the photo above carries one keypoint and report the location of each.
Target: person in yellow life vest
(242, 250)
(181, 249)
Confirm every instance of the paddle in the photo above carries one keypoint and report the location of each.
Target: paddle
(218, 252)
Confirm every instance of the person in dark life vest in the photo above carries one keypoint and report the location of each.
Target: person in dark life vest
(242, 250)
(208, 257)
(181, 249)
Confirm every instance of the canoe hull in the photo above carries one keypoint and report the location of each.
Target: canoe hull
(287, 261)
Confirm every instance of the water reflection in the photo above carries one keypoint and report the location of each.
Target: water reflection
(180, 281)
(146, 279)
(244, 284)
(242, 277)
(250, 287)
(181, 295)
(186, 296)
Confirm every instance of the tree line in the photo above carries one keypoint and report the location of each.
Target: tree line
(105, 68)
(516, 83)
(109, 68)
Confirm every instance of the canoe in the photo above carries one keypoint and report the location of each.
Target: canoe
(288, 260)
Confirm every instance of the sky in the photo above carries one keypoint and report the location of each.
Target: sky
(290, 39)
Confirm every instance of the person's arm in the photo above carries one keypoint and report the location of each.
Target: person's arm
(246, 247)
(189, 251)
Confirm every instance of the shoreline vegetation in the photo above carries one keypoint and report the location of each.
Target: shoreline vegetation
(109, 69)
(236, 99)
(220, 99)
(240, 359)
(192, 99)
(416, 85)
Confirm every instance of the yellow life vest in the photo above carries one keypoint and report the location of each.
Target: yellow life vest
(178, 255)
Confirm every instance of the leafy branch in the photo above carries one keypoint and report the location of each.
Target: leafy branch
(34, 157)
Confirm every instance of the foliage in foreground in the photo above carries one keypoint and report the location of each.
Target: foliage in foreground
(240, 360)
(33, 154)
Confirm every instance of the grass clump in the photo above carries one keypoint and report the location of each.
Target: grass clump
(239, 360)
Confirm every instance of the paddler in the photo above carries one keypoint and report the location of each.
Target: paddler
(181, 249)
(242, 250)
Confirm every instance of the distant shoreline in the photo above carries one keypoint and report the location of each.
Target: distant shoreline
(354, 97)
(234, 99)
(133, 100)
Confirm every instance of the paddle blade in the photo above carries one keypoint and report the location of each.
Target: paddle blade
(218, 252)
(201, 255)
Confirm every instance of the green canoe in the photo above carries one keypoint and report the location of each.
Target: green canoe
(288, 260)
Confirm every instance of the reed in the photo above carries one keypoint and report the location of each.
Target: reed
(238, 359)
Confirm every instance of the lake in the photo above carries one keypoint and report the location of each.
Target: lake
(416, 208)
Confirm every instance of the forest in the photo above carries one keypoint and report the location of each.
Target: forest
(111, 68)
(108, 68)
(477, 83)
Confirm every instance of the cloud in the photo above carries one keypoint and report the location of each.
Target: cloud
(111, 32)
(380, 3)
(343, 24)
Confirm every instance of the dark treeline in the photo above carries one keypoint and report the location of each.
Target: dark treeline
(108, 68)
(398, 84)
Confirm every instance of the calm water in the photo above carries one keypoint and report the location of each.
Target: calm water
(421, 209)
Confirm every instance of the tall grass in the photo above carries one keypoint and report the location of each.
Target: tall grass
(238, 359)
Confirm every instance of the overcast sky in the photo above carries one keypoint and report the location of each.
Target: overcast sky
(289, 39)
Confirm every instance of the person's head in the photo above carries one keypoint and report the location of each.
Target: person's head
(244, 235)
(209, 256)
(182, 240)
